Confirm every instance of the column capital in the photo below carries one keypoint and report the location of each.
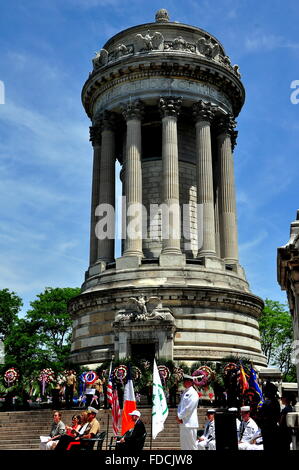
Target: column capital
(226, 125)
(203, 111)
(95, 135)
(108, 121)
(133, 110)
(170, 106)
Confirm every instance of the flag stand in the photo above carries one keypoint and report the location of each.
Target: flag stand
(107, 429)
(151, 441)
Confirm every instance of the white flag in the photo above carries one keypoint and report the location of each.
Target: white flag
(160, 408)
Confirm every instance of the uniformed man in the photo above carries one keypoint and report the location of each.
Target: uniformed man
(187, 415)
(248, 429)
(70, 387)
(207, 440)
(238, 422)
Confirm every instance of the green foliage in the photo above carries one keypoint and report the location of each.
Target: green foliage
(10, 305)
(42, 339)
(276, 330)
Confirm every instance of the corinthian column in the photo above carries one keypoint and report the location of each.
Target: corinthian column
(203, 114)
(170, 108)
(95, 138)
(227, 197)
(132, 112)
(105, 229)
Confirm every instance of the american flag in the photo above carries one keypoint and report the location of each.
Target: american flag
(115, 408)
(110, 389)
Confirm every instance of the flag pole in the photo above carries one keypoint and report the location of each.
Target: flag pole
(107, 428)
(151, 440)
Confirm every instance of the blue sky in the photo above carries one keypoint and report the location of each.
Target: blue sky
(46, 49)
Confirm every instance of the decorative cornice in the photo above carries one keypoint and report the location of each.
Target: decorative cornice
(170, 106)
(228, 84)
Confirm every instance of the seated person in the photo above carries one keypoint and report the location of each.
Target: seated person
(87, 431)
(76, 425)
(207, 440)
(57, 430)
(132, 440)
(248, 429)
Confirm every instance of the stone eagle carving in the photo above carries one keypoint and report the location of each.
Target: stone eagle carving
(140, 308)
(100, 59)
(148, 42)
(205, 47)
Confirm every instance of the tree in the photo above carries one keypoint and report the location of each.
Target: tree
(276, 330)
(10, 305)
(52, 322)
(42, 338)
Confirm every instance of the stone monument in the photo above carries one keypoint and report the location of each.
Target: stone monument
(288, 278)
(162, 98)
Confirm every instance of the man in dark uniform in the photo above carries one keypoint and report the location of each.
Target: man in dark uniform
(133, 440)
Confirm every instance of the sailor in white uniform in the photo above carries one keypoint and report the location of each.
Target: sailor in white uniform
(248, 429)
(207, 440)
(187, 415)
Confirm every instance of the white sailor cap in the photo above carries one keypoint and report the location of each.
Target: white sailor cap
(232, 409)
(245, 409)
(211, 411)
(188, 377)
(90, 409)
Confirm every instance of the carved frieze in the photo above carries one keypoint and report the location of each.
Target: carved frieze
(100, 59)
(207, 49)
(149, 42)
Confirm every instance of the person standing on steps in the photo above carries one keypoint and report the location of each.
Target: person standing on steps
(187, 415)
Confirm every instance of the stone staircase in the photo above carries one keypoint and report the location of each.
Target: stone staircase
(20, 430)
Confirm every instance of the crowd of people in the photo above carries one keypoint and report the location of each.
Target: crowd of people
(266, 430)
(261, 428)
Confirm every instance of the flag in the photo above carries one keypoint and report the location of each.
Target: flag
(115, 409)
(160, 408)
(109, 386)
(253, 383)
(243, 380)
(129, 405)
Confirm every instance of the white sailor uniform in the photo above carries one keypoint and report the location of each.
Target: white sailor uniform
(187, 411)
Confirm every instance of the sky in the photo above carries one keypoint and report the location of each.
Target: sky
(46, 48)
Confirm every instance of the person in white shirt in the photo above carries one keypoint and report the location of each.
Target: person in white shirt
(238, 422)
(207, 440)
(248, 429)
(187, 415)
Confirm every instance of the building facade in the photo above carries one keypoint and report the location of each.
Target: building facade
(288, 278)
(162, 99)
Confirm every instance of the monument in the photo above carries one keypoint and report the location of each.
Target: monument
(288, 278)
(162, 98)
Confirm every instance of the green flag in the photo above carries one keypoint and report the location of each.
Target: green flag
(160, 408)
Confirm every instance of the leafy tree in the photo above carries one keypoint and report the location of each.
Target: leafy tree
(10, 305)
(42, 338)
(52, 322)
(276, 330)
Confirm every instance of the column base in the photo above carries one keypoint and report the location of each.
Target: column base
(172, 260)
(128, 262)
(212, 262)
(96, 268)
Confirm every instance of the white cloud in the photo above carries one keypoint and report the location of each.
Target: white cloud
(262, 42)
